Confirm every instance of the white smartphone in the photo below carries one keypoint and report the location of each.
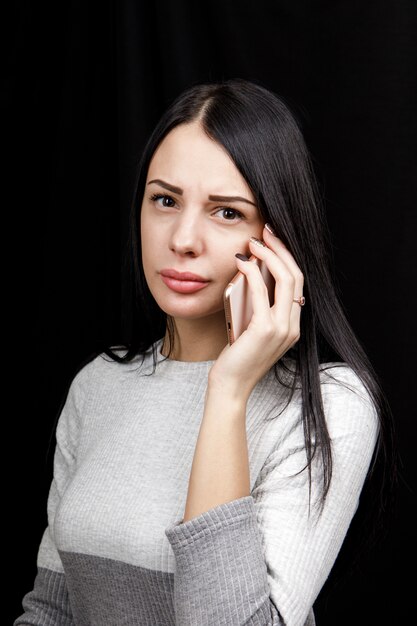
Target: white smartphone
(237, 300)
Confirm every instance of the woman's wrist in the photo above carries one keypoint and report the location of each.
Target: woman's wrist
(226, 391)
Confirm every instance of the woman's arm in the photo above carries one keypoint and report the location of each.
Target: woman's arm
(219, 476)
(220, 469)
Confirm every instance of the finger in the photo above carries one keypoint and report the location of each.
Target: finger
(285, 313)
(258, 292)
(284, 282)
(278, 246)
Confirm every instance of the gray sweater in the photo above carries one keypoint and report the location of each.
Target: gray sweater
(116, 552)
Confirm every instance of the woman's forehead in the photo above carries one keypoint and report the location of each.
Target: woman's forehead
(189, 160)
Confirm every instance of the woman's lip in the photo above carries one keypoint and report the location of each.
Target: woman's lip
(183, 286)
(171, 273)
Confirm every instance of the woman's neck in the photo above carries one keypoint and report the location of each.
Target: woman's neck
(197, 340)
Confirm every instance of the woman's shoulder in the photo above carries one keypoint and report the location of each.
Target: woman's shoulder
(334, 376)
(348, 405)
(100, 368)
(347, 402)
(339, 378)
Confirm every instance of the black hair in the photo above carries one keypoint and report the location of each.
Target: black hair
(264, 139)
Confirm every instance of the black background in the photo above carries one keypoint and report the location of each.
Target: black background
(85, 86)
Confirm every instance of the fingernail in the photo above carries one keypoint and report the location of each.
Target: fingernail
(258, 242)
(270, 229)
(242, 257)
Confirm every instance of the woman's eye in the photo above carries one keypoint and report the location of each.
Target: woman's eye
(159, 196)
(229, 214)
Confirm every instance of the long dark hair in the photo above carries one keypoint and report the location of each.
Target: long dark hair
(264, 139)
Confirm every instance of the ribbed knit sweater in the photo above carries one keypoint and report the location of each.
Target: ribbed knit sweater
(116, 550)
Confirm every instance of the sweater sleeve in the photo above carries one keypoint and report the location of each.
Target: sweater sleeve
(48, 604)
(261, 560)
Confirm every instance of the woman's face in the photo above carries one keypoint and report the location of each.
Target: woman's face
(184, 228)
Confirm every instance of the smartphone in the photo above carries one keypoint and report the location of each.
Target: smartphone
(237, 300)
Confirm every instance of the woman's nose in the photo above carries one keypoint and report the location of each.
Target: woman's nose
(187, 235)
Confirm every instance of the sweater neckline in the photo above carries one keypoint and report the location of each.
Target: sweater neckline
(179, 364)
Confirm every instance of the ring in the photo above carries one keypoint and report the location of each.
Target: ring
(301, 300)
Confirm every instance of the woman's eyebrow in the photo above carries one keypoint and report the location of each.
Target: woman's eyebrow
(179, 191)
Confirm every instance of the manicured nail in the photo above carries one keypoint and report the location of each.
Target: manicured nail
(242, 257)
(258, 242)
(270, 229)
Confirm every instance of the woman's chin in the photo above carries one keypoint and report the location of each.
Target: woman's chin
(191, 310)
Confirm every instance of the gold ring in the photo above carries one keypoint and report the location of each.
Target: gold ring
(301, 300)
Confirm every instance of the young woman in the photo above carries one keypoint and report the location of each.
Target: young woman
(197, 482)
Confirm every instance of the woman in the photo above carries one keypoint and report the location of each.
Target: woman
(197, 482)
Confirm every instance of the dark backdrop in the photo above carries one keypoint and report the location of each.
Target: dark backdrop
(87, 82)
